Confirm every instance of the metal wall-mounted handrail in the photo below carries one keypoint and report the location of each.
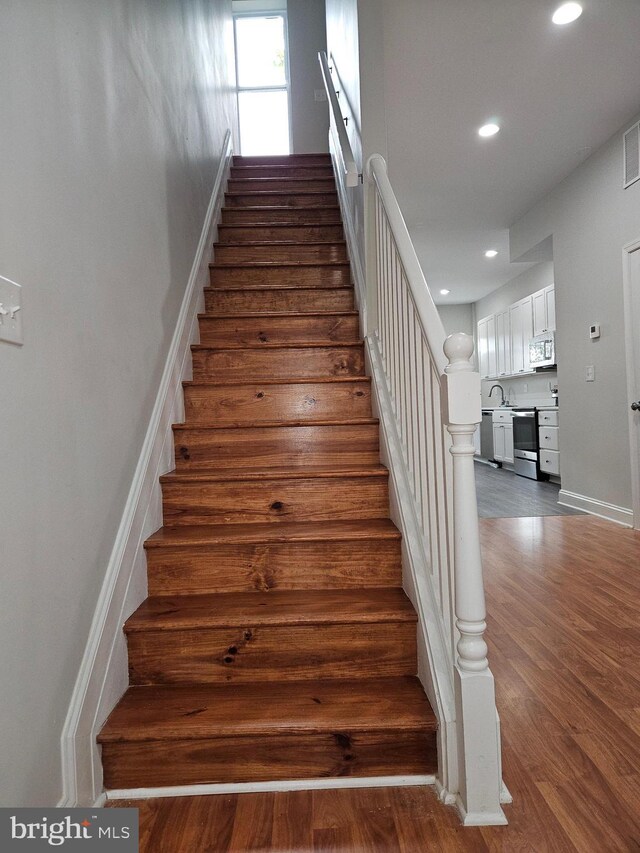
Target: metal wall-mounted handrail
(343, 146)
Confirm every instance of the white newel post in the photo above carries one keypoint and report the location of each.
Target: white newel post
(476, 717)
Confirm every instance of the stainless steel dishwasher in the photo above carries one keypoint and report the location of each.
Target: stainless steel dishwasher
(486, 434)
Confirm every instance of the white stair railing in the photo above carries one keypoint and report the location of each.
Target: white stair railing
(434, 390)
(427, 393)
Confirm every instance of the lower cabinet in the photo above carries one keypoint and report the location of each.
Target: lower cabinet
(503, 443)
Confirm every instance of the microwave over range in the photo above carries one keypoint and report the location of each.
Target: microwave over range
(542, 351)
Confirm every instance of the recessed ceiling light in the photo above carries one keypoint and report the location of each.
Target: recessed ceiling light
(444, 292)
(567, 13)
(488, 130)
(490, 253)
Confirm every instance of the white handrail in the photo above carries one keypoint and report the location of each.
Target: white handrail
(343, 146)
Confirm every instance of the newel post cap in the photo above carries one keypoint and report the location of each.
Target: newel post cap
(461, 400)
(458, 349)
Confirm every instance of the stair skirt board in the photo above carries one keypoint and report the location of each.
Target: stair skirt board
(277, 649)
(265, 787)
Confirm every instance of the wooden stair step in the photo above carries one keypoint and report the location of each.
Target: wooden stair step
(277, 608)
(266, 198)
(320, 328)
(278, 362)
(253, 403)
(282, 160)
(330, 274)
(276, 446)
(289, 184)
(301, 472)
(327, 252)
(274, 215)
(282, 300)
(283, 171)
(280, 635)
(280, 233)
(195, 734)
(260, 557)
(196, 498)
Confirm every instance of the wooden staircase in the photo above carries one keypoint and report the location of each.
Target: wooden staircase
(276, 642)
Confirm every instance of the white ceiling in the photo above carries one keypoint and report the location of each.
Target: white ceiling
(558, 93)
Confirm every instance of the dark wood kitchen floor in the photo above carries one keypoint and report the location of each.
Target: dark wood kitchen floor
(503, 494)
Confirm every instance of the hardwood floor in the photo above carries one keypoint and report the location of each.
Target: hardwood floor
(503, 494)
(562, 595)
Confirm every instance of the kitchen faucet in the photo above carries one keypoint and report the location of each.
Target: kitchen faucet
(503, 403)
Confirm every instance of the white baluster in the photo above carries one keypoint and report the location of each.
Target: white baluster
(476, 720)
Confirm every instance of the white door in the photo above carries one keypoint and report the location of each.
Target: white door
(632, 336)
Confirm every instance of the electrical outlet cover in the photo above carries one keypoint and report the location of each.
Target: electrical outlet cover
(10, 311)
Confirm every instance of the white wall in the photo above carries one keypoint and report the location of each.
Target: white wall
(528, 282)
(113, 119)
(307, 36)
(590, 218)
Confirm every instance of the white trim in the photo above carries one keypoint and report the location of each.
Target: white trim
(619, 514)
(335, 783)
(434, 661)
(479, 818)
(632, 344)
(103, 672)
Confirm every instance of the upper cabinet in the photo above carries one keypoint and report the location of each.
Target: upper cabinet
(544, 311)
(503, 339)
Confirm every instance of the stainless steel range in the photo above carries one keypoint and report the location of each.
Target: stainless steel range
(525, 443)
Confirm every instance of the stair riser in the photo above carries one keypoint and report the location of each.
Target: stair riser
(275, 199)
(281, 276)
(274, 565)
(253, 759)
(254, 404)
(254, 653)
(304, 363)
(281, 254)
(287, 185)
(276, 446)
(281, 216)
(238, 502)
(278, 300)
(280, 233)
(243, 172)
(245, 331)
(283, 160)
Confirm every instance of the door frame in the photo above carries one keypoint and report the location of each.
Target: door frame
(267, 13)
(632, 352)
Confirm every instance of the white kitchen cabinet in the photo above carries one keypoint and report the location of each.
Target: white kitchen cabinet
(521, 324)
(503, 344)
(550, 462)
(544, 310)
(503, 436)
(487, 364)
(548, 437)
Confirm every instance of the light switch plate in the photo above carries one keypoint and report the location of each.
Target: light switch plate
(10, 311)
(590, 373)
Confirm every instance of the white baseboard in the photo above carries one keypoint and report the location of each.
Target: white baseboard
(497, 818)
(619, 514)
(262, 787)
(103, 676)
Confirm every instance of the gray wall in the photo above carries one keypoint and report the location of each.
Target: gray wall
(457, 318)
(113, 120)
(307, 36)
(590, 218)
(531, 280)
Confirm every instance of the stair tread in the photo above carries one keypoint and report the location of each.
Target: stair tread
(266, 315)
(305, 380)
(278, 345)
(279, 424)
(273, 264)
(277, 607)
(303, 243)
(261, 532)
(192, 711)
(215, 475)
